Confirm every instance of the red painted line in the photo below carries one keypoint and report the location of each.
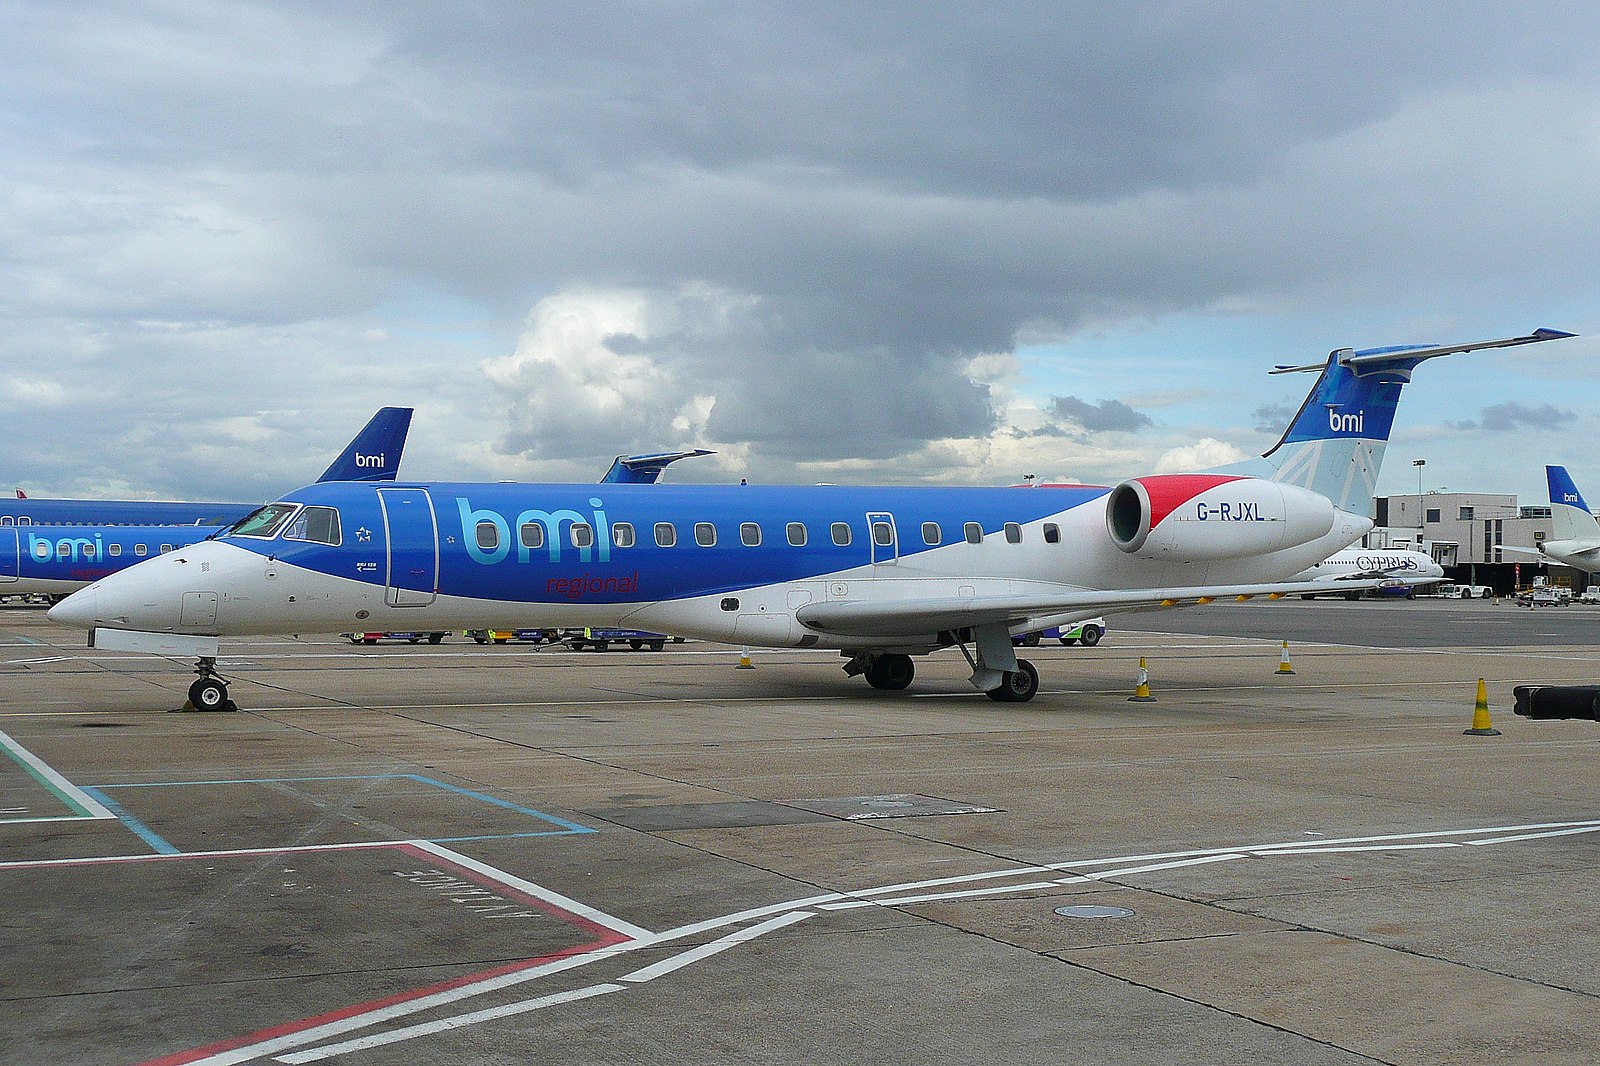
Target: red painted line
(604, 938)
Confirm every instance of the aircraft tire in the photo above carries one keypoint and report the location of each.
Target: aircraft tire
(1091, 635)
(891, 673)
(1018, 686)
(208, 694)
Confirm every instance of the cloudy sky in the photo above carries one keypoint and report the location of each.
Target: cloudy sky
(917, 243)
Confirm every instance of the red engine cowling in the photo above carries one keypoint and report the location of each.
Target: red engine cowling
(1213, 516)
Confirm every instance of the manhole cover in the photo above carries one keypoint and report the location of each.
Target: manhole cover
(1094, 912)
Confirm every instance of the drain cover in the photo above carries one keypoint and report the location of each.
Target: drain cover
(1094, 912)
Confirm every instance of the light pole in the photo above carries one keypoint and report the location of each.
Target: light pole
(1419, 464)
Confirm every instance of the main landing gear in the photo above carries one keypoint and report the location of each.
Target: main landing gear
(210, 692)
(996, 670)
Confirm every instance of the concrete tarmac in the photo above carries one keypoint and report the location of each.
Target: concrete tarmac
(466, 854)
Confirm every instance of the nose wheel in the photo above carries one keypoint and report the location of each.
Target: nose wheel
(210, 692)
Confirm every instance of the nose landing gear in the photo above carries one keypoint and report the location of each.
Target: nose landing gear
(210, 692)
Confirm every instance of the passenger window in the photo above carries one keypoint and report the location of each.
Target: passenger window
(666, 534)
(6, 521)
(63, 550)
(797, 534)
(974, 532)
(841, 533)
(165, 548)
(113, 549)
(141, 549)
(622, 534)
(582, 535)
(1013, 533)
(750, 534)
(882, 534)
(931, 534)
(531, 534)
(1052, 533)
(317, 524)
(705, 534)
(488, 535)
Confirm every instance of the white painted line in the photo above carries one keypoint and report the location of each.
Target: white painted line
(411, 1032)
(933, 897)
(1270, 852)
(705, 951)
(95, 808)
(583, 910)
(1535, 836)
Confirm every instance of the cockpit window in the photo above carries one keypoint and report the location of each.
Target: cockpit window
(264, 522)
(317, 524)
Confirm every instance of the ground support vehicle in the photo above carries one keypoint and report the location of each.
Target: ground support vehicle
(602, 639)
(412, 638)
(501, 636)
(1086, 633)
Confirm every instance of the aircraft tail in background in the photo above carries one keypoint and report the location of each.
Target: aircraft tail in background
(1571, 518)
(1334, 446)
(374, 454)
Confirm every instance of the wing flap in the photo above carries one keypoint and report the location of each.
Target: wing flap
(912, 618)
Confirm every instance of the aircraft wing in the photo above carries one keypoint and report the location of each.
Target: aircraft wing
(920, 617)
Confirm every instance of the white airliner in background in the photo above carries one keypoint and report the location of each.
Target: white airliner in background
(882, 574)
(1391, 567)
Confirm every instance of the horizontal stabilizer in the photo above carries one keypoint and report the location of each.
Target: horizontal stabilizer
(1406, 356)
(646, 469)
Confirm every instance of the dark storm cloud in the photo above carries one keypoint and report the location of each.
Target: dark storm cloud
(884, 192)
(1271, 418)
(1105, 416)
(1503, 417)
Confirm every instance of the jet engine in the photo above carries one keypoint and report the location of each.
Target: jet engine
(1213, 516)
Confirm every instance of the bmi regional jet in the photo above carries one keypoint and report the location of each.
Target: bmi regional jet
(1575, 539)
(374, 455)
(882, 574)
(50, 558)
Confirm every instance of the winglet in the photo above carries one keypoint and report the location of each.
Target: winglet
(374, 455)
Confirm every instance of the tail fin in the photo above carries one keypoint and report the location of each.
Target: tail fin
(374, 455)
(1571, 518)
(645, 469)
(1335, 444)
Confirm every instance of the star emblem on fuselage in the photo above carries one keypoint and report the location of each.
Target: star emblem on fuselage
(363, 534)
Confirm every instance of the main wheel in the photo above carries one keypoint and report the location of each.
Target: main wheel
(891, 672)
(208, 694)
(1091, 635)
(1018, 686)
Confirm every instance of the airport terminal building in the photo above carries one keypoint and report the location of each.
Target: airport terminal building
(1469, 533)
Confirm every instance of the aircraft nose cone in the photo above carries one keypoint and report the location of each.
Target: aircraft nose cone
(77, 609)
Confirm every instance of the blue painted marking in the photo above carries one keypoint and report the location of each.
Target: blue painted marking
(145, 833)
(28, 640)
(566, 826)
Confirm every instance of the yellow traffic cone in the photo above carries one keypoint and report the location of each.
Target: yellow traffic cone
(1141, 691)
(1480, 716)
(1283, 663)
(744, 660)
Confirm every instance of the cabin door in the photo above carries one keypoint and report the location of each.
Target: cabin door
(411, 538)
(10, 557)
